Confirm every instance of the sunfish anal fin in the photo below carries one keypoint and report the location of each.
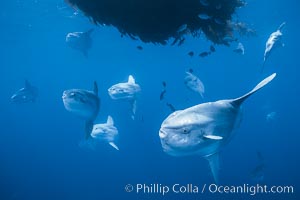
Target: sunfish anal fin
(214, 164)
(95, 89)
(114, 145)
(133, 109)
(88, 129)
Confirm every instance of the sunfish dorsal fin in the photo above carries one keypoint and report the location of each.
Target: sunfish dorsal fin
(240, 100)
(95, 88)
(114, 145)
(214, 164)
(27, 84)
(110, 120)
(131, 79)
(89, 31)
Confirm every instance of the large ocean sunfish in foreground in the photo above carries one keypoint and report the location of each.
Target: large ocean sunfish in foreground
(204, 128)
(84, 104)
(26, 94)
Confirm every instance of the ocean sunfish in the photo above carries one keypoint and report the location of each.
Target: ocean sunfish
(194, 83)
(127, 91)
(84, 104)
(274, 41)
(204, 128)
(81, 41)
(106, 132)
(26, 94)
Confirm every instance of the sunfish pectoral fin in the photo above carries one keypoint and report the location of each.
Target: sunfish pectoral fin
(214, 164)
(240, 100)
(88, 129)
(114, 145)
(213, 137)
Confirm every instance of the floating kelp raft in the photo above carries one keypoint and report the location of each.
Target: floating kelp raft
(157, 21)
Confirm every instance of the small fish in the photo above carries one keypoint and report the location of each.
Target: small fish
(212, 48)
(139, 47)
(204, 16)
(182, 28)
(107, 132)
(257, 174)
(191, 70)
(204, 54)
(204, 2)
(84, 104)
(191, 53)
(239, 49)
(26, 94)
(194, 83)
(271, 116)
(181, 41)
(172, 108)
(81, 41)
(127, 91)
(162, 94)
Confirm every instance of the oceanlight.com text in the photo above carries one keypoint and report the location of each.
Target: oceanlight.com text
(164, 189)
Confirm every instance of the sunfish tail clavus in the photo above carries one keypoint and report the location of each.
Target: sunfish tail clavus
(204, 128)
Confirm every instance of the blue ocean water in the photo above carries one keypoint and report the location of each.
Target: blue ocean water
(40, 152)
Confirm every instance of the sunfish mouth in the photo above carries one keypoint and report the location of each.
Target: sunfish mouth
(162, 134)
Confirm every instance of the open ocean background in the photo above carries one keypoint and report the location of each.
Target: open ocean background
(40, 153)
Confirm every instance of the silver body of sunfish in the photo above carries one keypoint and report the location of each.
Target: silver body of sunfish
(106, 132)
(194, 83)
(126, 91)
(84, 104)
(203, 129)
(81, 41)
(26, 94)
(274, 41)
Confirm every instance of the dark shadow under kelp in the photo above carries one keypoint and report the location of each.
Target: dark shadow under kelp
(157, 21)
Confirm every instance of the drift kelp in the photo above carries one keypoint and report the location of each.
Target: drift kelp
(159, 20)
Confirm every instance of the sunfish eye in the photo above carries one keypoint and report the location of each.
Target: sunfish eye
(185, 131)
(72, 94)
(121, 90)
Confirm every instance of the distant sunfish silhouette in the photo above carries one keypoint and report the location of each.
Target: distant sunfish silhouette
(203, 129)
(26, 94)
(84, 104)
(194, 83)
(106, 132)
(127, 91)
(81, 41)
(274, 41)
